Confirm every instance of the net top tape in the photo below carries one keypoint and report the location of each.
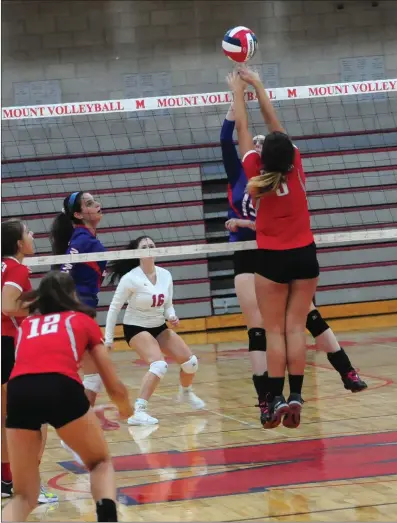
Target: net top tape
(194, 100)
(354, 237)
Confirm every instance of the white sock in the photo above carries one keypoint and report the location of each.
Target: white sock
(141, 404)
(185, 389)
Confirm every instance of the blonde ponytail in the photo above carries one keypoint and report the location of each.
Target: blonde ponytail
(258, 186)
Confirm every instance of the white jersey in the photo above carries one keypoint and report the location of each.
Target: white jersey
(149, 305)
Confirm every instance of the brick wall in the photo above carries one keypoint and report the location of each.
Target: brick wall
(90, 45)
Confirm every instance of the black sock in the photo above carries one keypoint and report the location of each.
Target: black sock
(295, 383)
(276, 386)
(261, 386)
(340, 361)
(106, 510)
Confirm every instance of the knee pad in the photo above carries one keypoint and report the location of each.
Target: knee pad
(190, 366)
(315, 324)
(257, 340)
(93, 382)
(158, 368)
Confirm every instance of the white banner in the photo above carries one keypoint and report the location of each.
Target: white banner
(195, 100)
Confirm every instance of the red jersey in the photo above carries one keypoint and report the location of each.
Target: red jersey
(54, 343)
(283, 220)
(14, 273)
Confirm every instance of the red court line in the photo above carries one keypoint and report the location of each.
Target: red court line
(367, 265)
(348, 190)
(352, 170)
(188, 147)
(113, 190)
(358, 285)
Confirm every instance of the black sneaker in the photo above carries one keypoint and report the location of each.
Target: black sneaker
(293, 418)
(277, 409)
(353, 382)
(6, 489)
(264, 408)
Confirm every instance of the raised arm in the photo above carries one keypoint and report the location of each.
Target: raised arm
(123, 292)
(268, 112)
(237, 85)
(231, 161)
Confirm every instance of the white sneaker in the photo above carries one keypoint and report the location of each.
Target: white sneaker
(46, 497)
(188, 396)
(76, 457)
(141, 417)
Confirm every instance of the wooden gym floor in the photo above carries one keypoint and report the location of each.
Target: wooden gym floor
(220, 465)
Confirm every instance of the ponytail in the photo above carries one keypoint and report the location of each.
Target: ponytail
(258, 186)
(118, 268)
(62, 227)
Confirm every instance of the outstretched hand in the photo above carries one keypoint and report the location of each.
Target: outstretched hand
(235, 82)
(249, 76)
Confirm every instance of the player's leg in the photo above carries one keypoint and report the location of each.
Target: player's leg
(7, 364)
(148, 349)
(326, 341)
(245, 291)
(24, 449)
(93, 385)
(272, 301)
(85, 437)
(301, 292)
(173, 345)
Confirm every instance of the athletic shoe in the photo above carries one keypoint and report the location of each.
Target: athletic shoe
(264, 408)
(46, 497)
(141, 417)
(353, 382)
(293, 418)
(76, 457)
(188, 396)
(6, 489)
(277, 409)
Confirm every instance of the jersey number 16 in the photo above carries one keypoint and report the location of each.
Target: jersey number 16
(157, 300)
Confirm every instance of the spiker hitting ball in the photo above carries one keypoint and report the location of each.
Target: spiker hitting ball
(240, 44)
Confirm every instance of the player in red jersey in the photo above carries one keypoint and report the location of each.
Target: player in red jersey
(16, 242)
(287, 269)
(50, 346)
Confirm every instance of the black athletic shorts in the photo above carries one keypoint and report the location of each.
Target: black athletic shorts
(36, 399)
(132, 330)
(289, 265)
(7, 357)
(244, 262)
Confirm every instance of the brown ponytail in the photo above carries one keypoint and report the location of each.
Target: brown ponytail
(258, 186)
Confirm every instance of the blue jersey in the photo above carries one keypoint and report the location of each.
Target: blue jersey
(240, 203)
(87, 276)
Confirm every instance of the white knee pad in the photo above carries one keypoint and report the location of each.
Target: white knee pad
(93, 382)
(190, 366)
(158, 368)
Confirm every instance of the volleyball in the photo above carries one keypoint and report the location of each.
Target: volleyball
(239, 44)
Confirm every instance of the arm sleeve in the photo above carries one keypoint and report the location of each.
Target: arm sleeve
(123, 292)
(231, 161)
(252, 164)
(18, 277)
(169, 310)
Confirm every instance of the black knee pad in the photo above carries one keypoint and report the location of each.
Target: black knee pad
(315, 324)
(257, 340)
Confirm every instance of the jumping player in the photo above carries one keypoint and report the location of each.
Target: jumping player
(16, 243)
(287, 269)
(50, 345)
(148, 289)
(241, 224)
(73, 232)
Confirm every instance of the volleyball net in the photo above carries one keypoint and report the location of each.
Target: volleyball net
(155, 165)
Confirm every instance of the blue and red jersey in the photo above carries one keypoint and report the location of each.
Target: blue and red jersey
(87, 276)
(240, 203)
